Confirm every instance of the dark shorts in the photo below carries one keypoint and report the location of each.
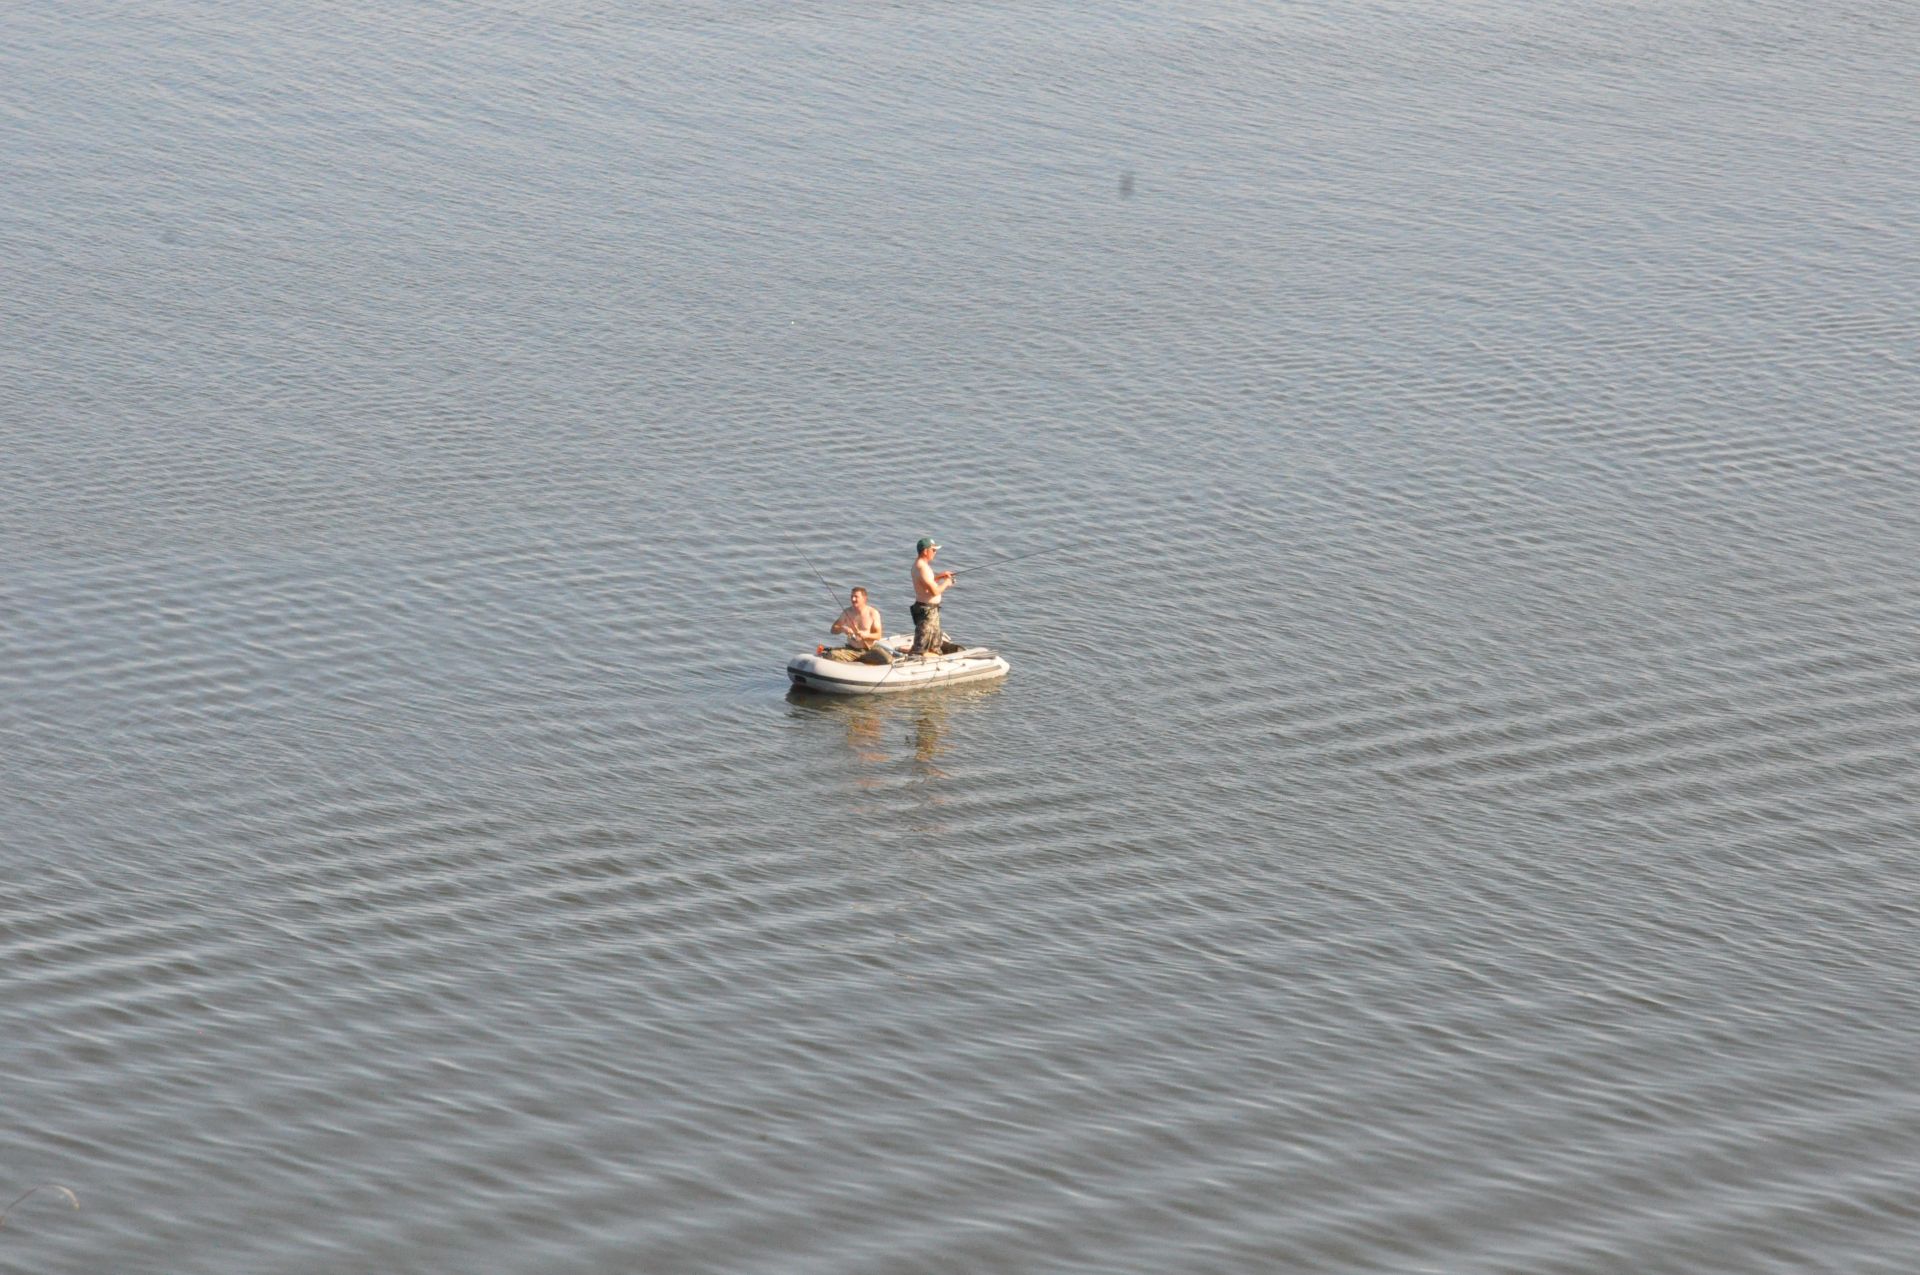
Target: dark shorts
(926, 628)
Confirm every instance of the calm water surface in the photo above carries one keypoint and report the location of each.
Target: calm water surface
(1457, 813)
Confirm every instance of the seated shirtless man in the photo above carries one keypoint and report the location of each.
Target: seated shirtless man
(861, 623)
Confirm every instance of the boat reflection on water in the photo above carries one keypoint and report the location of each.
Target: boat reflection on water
(875, 726)
(866, 737)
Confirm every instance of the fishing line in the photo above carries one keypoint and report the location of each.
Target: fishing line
(1018, 557)
(997, 562)
(816, 571)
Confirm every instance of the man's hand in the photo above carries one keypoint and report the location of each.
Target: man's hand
(944, 575)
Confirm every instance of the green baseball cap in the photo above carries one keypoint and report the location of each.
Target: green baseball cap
(926, 543)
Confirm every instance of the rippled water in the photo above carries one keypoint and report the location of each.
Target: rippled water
(1457, 813)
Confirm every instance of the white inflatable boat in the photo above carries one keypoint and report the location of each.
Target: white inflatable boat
(815, 672)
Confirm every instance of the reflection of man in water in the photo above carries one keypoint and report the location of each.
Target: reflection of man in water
(861, 623)
(866, 737)
(928, 725)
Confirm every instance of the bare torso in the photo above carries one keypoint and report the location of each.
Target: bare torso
(927, 587)
(861, 624)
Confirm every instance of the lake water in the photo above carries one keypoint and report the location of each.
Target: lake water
(1456, 803)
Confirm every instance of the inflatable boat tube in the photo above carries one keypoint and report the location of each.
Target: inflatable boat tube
(815, 672)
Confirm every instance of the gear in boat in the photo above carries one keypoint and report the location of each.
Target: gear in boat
(831, 670)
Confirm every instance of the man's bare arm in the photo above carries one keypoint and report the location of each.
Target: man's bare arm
(931, 582)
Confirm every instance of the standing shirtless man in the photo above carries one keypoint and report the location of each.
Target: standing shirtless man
(927, 588)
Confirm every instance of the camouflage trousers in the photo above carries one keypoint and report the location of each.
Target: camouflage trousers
(927, 638)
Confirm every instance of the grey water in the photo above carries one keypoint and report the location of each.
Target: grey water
(1455, 810)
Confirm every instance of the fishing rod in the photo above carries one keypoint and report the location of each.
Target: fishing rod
(836, 598)
(1000, 562)
(816, 571)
